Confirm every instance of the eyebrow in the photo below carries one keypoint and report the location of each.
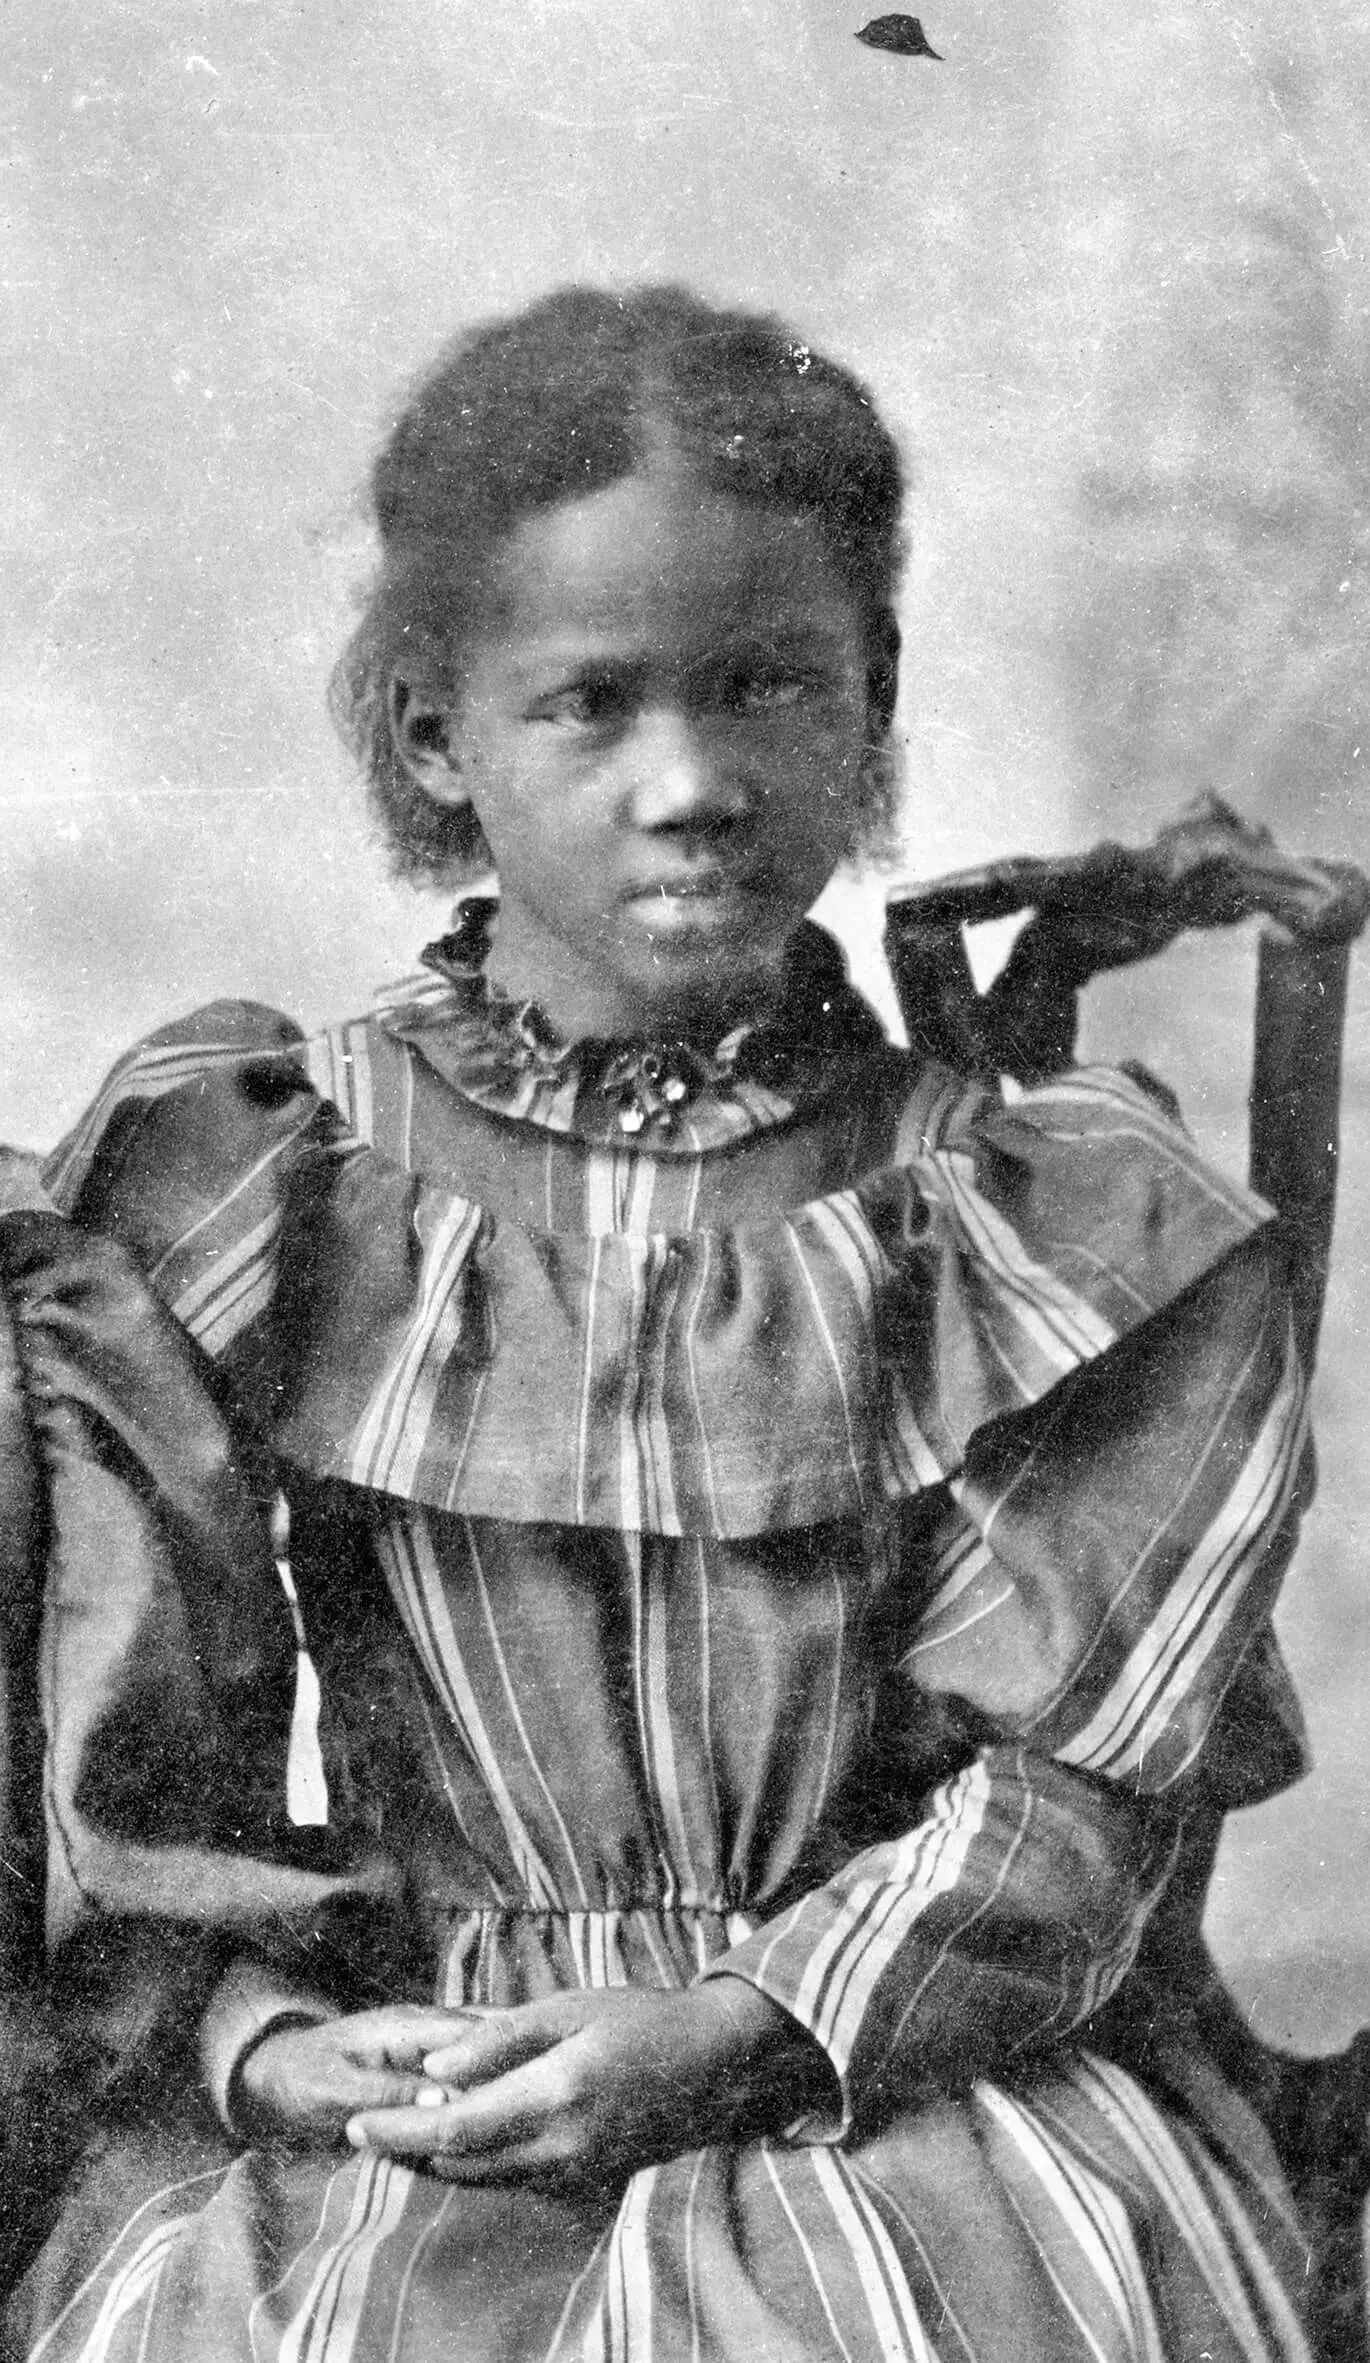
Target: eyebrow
(565, 666)
(544, 678)
(812, 639)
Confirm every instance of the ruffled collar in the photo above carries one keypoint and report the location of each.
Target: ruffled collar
(801, 1363)
(670, 1094)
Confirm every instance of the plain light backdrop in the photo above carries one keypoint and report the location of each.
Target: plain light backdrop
(1106, 266)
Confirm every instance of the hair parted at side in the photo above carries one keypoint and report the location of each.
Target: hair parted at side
(562, 400)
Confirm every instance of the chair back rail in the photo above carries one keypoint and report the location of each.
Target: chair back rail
(1106, 909)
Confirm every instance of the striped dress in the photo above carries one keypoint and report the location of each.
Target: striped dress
(830, 1543)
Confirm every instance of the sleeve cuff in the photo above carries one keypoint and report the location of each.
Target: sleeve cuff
(248, 2003)
(817, 2127)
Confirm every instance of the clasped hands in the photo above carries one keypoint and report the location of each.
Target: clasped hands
(573, 2093)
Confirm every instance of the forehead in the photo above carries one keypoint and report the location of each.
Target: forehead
(659, 564)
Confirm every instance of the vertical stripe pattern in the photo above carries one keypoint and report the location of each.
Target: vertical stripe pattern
(696, 1544)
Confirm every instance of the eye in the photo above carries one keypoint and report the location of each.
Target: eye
(770, 688)
(772, 692)
(594, 702)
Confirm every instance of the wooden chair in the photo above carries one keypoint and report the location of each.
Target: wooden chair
(1106, 909)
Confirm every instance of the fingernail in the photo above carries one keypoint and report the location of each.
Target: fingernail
(429, 2096)
(356, 2133)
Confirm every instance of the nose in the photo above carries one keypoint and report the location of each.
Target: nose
(684, 776)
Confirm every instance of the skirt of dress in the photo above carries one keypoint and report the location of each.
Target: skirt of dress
(1074, 2214)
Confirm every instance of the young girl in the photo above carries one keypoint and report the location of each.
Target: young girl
(774, 1525)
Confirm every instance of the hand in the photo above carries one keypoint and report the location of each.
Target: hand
(577, 2092)
(306, 2082)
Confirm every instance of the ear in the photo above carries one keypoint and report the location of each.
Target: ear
(882, 669)
(423, 734)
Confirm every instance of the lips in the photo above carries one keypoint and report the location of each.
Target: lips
(698, 904)
(710, 885)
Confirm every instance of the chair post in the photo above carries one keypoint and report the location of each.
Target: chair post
(1294, 1100)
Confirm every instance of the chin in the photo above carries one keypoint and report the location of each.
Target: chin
(710, 994)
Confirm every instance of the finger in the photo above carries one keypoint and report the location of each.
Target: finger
(503, 2163)
(514, 2109)
(399, 2037)
(519, 2165)
(390, 2093)
(489, 2045)
(422, 2128)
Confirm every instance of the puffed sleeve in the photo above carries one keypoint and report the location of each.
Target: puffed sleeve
(163, 1657)
(1104, 1568)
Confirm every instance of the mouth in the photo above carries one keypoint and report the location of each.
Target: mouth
(692, 901)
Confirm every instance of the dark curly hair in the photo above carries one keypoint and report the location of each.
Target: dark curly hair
(562, 400)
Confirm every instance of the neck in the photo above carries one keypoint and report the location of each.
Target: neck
(579, 1001)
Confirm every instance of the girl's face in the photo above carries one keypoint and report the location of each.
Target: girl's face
(662, 729)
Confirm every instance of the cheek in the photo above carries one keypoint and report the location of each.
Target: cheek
(808, 741)
(514, 806)
(816, 778)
